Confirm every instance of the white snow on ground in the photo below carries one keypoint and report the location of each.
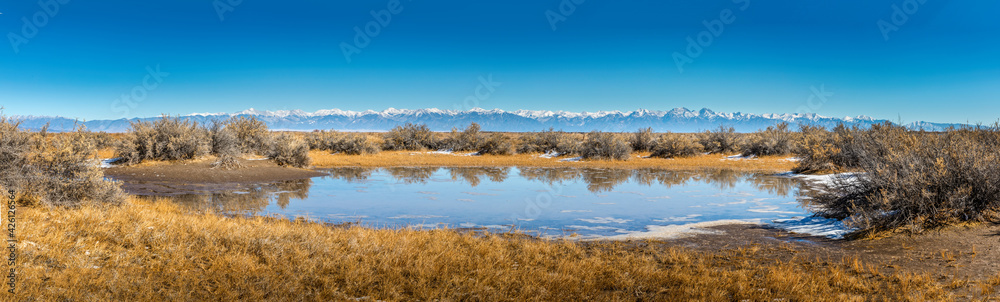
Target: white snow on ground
(792, 159)
(740, 157)
(678, 231)
(826, 180)
(578, 158)
(816, 226)
(550, 154)
(106, 163)
(449, 152)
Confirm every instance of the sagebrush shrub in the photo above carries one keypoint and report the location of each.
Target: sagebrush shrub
(52, 169)
(225, 146)
(604, 145)
(775, 140)
(676, 145)
(722, 140)
(918, 179)
(252, 134)
(167, 138)
(289, 150)
(495, 144)
(550, 141)
(358, 144)
(643, 140)
(410, 137)
(469, 139)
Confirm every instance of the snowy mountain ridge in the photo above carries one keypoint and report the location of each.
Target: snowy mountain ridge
(674, 120)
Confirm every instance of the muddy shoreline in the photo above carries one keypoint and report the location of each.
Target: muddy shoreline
(184, 177)
(954, 252)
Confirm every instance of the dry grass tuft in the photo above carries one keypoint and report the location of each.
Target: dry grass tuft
(157, 251)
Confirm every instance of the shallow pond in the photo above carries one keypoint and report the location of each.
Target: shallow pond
(544, 201)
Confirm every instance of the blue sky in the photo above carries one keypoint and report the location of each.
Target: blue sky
(937, 63)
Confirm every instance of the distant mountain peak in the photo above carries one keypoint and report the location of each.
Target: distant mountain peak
(679, 119)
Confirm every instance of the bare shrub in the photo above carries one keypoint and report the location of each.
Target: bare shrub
(496, 144)
(643, 140)
(722, 140)
(822, 150)
(775, 140)
(677, 145)
(289, 150)
(167, 138)
(225, 146)
(550, 141)
(252, 134)
(53, 170)
(358, 144)
(410, 137)
(469, 139)
(104, 140)
(604, 145)
(916, 179)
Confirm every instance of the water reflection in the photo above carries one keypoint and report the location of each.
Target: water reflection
(587, 201)
(240, 198)
(597, 180)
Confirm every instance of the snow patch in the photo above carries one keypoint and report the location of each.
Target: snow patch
(679, 231)
(578, 158)
(106, 163)
(740, 157)
(816, 226)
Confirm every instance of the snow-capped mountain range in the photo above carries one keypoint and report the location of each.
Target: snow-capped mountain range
(675, 120)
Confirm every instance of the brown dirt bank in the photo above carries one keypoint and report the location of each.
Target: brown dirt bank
(952, 253)
(201, 171)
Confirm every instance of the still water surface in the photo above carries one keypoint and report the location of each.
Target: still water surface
(544, 201)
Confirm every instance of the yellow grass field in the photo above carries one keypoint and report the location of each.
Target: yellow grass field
(156, 250)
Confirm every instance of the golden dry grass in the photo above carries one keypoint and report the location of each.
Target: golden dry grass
(157, 251)
(105, 153)
(321, 159)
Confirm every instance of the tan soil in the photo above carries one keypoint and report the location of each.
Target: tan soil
(955, 252)
(199, 175)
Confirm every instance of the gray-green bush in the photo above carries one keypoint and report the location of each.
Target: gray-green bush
(775, 140)
(167, 138)
(604, 145)
(722, 140)
(676, 145)
(550, 141)
(289, 150)
(643, 140)
(915, 179)
(55, 170)
(410, 137)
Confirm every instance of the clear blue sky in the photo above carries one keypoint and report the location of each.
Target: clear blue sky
(941, 64)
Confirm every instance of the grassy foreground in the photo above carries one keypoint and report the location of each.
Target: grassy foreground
(158, 251)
